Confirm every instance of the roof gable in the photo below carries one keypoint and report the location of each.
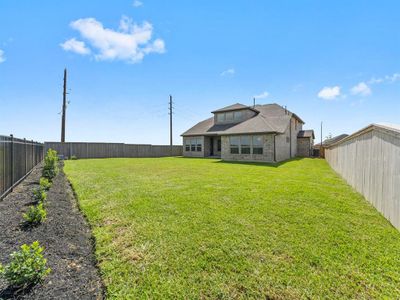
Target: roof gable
(236, 106)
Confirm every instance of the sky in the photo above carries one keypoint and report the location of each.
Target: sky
(336, 62)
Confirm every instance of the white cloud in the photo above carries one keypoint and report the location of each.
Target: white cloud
(262, 95)
(137, 3)
(2, 58)
(361, 89)
(228, 72)
(375, 80)
(329, 93)
(131, 42)
(393, 78)
(388, 78)
(76, 46)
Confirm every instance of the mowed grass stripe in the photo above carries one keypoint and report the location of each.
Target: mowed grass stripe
(201, 228)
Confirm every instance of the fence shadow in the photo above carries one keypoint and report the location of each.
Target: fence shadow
(260, 164)
(250, 163)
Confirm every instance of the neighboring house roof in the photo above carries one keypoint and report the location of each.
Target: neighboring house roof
(387, 127)
(306, 134)
(236, 106)
(270, 118)
(331, 141)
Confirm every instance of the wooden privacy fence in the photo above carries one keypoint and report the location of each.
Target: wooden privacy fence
(369, 160)
(109, 150)
(17, 159)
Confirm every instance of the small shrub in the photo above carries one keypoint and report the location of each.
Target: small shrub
(35, 215)
(73, 157)
(27, 266)
(50, 169)
(40, 194)
(45, 184)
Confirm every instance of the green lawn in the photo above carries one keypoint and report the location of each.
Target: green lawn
(182, 228)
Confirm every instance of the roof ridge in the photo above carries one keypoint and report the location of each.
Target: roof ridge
(264, 118)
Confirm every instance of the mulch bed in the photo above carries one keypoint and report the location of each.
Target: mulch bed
(65, 236)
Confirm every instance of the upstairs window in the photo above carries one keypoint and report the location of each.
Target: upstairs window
(229, 116)
(245, 144)
(237, 115)
(220, 117)
(257, 145)
(234, 142)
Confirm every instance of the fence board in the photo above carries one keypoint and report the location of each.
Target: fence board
(370, 162)
(17, 159)
(112, 150)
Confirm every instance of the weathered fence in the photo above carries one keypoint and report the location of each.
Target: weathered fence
(109, 150)
(369, 160)
(17, 158)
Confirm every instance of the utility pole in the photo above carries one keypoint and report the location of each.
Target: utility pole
(64, 107)
(170, 122)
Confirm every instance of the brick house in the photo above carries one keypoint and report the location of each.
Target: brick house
(268, 133)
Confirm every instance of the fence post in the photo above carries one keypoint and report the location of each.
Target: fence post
(33, 150)
(12, 160)
(26, 157)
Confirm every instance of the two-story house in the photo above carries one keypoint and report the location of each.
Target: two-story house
(267, 133)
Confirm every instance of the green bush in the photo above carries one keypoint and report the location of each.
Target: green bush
(50, 169)
(35, 215)
(73, 157)
(45, 184)
(27, 266)
(40, 194)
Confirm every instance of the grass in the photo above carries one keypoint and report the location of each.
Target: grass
(180, 228)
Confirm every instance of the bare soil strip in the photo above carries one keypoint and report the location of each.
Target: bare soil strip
(65, 235)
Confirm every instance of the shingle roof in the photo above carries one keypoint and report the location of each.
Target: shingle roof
(306, 134)
(269, 118)
(331, 141)
(393, 128)
(235, 106)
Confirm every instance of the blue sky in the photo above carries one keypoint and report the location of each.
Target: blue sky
(331, 61)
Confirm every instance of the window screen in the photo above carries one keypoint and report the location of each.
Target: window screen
(187, 144)
(198, 145)
(245, 144)
(234, 144)
(193, 145)
(257, 144)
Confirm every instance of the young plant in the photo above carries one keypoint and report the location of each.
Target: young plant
(50, 169)
(45, 184)
(73, 157)
(35, 215)
(27, 266)
(40, 194)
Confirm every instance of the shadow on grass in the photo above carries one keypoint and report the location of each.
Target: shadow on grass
(259, 164)
(250, 163)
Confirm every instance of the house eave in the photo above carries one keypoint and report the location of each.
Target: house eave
(235, 133)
